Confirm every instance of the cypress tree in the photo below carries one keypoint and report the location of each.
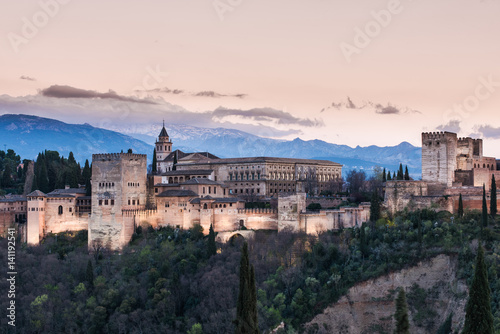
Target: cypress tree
(389, 178)
(401, 315)
(394, 176)
(363, 244)
(174, 167)
(400, 172)
(384, 176)
(375, 207)
(7, 176)
(43, 181)
(89, 275)
(478, 317)
(211, 246)
(155, 162)
(493, 197)
(246, 308)
(407, 175)
(484, 214)
(460, 207)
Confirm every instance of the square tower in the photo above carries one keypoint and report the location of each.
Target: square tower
(118, 184)
(439, 157)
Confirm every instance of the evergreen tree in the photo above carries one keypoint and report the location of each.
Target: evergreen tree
(363, 243)
(389, 178)
(7, 176)
(384, 176)
(394, 176)
(460, 207)
(401, 315)
(375, 207)
(246, 308)
(155, 162)
(484, 214)
(478, 317)
(130, 151)
(34, 186)
(400, 172)
(89, 275)
(211, 246)
(407, 175)
(42, 179)
(493, 197)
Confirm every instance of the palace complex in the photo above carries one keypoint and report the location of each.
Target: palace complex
(186, 189)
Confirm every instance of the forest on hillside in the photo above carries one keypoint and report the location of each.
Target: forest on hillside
(166, 281)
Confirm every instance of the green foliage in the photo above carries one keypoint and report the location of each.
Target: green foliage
(484, 212)
(154, 165)
(407, 175)
(445, 328)
(246, 307)
(493, 197)
(196, 329)
(401, 315)
(211, 246)
(375, 207)
(478, 316)
(314, 207)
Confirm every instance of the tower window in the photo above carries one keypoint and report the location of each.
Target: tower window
(60, 210)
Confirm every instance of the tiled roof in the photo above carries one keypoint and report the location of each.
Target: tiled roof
(269, 159)
(36, 193)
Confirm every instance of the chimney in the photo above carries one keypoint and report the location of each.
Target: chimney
(66, 186)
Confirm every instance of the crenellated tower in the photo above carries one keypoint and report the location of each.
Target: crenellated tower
(439, 157)
(163, 147)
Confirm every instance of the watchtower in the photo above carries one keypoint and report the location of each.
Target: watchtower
(163, 147)
(439, 157)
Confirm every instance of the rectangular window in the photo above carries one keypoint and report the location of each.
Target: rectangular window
(128, 202)
(209, 190)
(100, 202)
(133, 202)
(215, 190)
(106, 202)
(112, 202)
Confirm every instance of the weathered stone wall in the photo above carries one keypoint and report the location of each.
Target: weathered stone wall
(289, 209)
(118, 183)
(36, 219)
(68, 220)
(326, 202)
(483, 176)
(439, 157)
(398, 194)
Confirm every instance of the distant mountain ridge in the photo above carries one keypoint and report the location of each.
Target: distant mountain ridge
(29, 135)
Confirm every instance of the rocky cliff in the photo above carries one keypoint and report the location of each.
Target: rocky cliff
(433, 292)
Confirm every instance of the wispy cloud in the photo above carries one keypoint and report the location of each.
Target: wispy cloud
(64, 92)
(25, 77)
(206, 93)
(266, 114)
(452, 126)
(378, 108)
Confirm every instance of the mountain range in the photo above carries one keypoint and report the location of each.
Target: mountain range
(28, 135)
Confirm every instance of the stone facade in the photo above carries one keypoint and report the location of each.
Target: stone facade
(450, 166)
(118, 184)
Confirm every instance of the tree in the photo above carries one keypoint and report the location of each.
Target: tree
(478, 317)
(484, 214)
(401, 315)
(389, 178)
(246, 308)
(384, 176)
(7, 176)
(363, 243)
(129, 150)
(174, 167)
(407, 175)
(89, 275)
(460, 207)
(375, 207)
(211, 246)
(445, 328)
(493, 197)
(400, 172)
(155, 162)
(356, 180)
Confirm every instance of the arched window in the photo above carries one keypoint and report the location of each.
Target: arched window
(60, 210)
(205, 206)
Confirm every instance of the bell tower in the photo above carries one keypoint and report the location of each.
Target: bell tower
(163, 147)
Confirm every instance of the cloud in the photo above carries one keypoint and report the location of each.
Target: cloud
(64, 92)
(452, 126)
(206, 93)
(378, 108)
(387, 110)
(487, 131)
(25, 77)
(82, 106)
(267, 115)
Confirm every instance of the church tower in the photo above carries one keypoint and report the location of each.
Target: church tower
(163, 147)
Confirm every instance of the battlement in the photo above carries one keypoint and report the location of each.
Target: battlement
(440, 135)
(117, 156)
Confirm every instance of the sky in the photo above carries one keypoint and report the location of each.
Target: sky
(347, 72)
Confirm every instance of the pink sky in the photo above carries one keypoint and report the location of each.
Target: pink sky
(412, 73)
